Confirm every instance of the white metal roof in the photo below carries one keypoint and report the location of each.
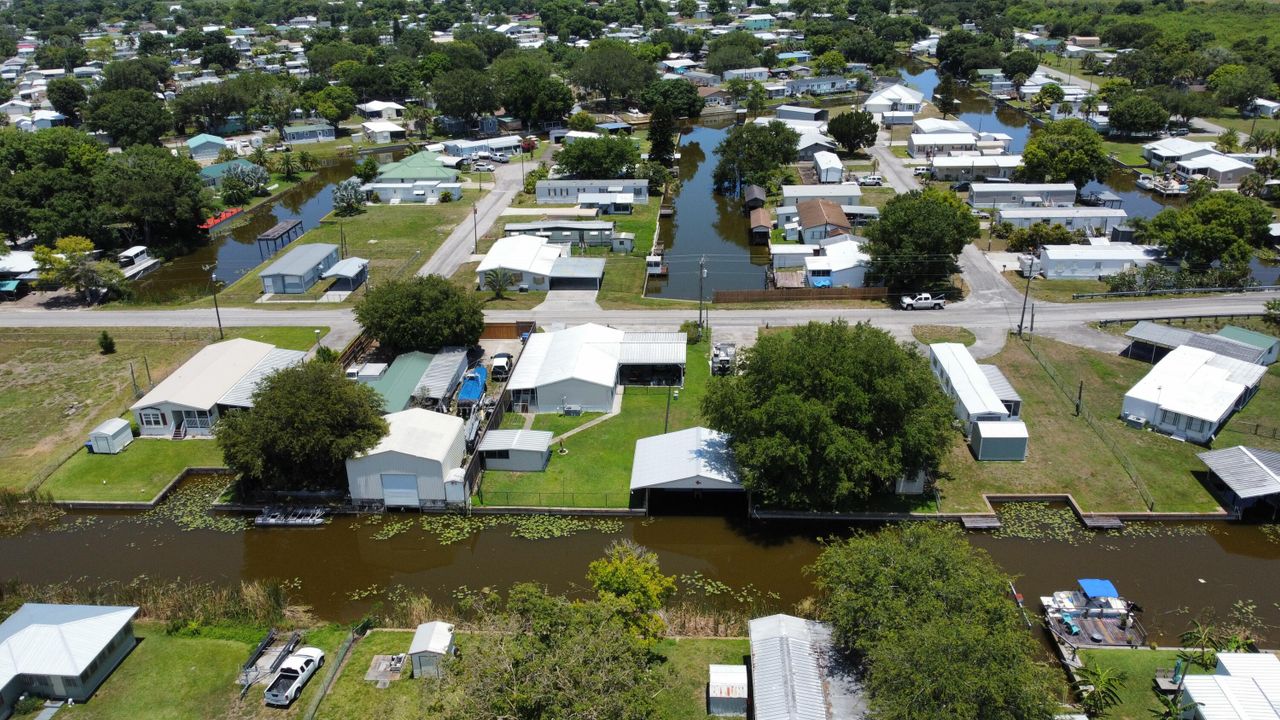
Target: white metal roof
(110, 427)
(586, 352)
(1249, 472)
(896, 93)
(419, 433)
(1224, 697)
(1022, 188)
(1215, 162)
(208, 375)
(433, 637)
(1197, 383)
(793, 193)
(787, 655)
(968, 382)
(1000, 384)
(1178, 146)
(1063, 212)
(378, 126)
(18, 262)
(241, 394)
(1167, 336)
(63, 640)
(968, 161)
(838, 256)
(379, 106)
(346, 268)
(919, 139)
(693, 459)
(577, 267)
(300, 259)
(727, 681)
(1091, 253)
(442, 374)
(521, 253)
(530, 440)
(930, 126)
(1015, 429)
(653, 348)
(827, 160)
(1243, 664)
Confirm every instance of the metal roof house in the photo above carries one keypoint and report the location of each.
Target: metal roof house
(838, 194)
(566, 192)
(1095, 220)
(1092, 261)
(535, 263)
(409, 466)
(432, 644)
(828, 167)
(423, 165)
(61, 651)
(1012, 195)
(580, 367)
(299, 269)
(1246, 475)
(1244, 686)
(591, 232)
(983, 399)
(205, 147)
(1269, 345)
(696, 458)
(1166, 337)
(795, 672)
(220, 376)
(516, 450)
(1191, 393)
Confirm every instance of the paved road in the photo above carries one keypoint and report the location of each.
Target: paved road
(459, 246)
(895, 173)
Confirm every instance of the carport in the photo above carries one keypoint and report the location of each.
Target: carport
(577, 273)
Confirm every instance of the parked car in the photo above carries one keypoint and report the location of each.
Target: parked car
(962, 186)
(293, 676)
(871, 180)
(502, 157)
(1179, 131)
(484, 155)
(483, 167)
(922, 170)
(502, 363)
(922, 301)
(980, 214)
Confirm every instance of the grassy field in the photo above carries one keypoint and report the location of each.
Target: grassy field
(1137, 696)
(1129, 153)
(1065, 455)
(1230, 118)
(181, 678)
(395, 239)
(56, 385)
(465, 277)
(135, 475)
(929, 334)
(596, 472)
(1055, 290)
(684, 694)
(877, 197)
(354, 697)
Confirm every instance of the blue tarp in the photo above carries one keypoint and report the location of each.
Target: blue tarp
(473, 386)
(1095, 588)
(820, 282)
(8, 285)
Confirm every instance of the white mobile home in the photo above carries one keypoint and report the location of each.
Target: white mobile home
(842, 264)
(1093, 220)
(1015, 195)
(565, 192)
(515, 450)
(1057, 262)
(760, 74)
(838, 194)
(941, 144)
(535, 263)
(895, 98)
(509, 144)
(798, 112)
(983, 399)
(1175, 149)
(299, 269)
(589, 232)
(220, 376)
(827, 166)
(1191, 393)
(382, 131)
(409, 466)
(972, 167)
(1221, 169)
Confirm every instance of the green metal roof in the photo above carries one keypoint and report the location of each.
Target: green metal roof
(220, 169)
(1248, 337)
(397, 383)
(424, 165)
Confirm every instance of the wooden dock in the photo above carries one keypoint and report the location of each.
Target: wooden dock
(980, 522)
(1102, 522)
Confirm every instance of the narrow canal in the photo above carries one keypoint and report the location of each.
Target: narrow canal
(1174, 571)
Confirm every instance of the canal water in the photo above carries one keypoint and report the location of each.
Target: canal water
(706, 227)
(1173, 575)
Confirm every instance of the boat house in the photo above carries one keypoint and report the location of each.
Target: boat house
(412, 465)
(1246, 476)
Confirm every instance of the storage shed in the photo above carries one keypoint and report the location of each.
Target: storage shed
(1269, 345)
(997, 440)
(516, 450)
(110, 437)
(827, 167)
(407, 468)
(299, 269)
(727, 692)
(432, 643)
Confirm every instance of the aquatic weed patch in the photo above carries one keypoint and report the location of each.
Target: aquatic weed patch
(1039, 521)
(1148, 529)
(189, 504)
(392, 529)
(450, 529)
(20, 510)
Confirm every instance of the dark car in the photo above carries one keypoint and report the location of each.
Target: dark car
(962, 186)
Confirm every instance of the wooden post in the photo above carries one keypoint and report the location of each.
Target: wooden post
(1079, 398)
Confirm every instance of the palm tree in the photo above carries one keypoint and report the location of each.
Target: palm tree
(1252, 185)
(259, 156)
(287, 166)
(1065, 109)
(1228, 142)
(497, 281)
(306, 161)
(1088, 105)
(1203, 637)
(1171, 708)
(1099, 688)
(1258, 142)
(419, 118)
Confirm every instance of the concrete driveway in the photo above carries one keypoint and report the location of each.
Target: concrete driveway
(568, 301)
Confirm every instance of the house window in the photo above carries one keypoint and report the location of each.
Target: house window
(151, 418)
(497, 454)
(196, 418)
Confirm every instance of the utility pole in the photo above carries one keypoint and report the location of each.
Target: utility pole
(702, 274)
(475, 229)
(1079, 398)
(216, 312)
(1032, 331)
(1025, 293)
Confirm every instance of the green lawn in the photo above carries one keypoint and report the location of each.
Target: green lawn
(877, 197)
(1230, 118)
(395, 239)
(354, 697)
(1137, 696)
(643, 221)
(1055, 290)
(596, 471)
(56, 385)
(560, 424)
(135, 475)
(1129, 153)
(1064, 454)
(929, 334)
(684, 695)
(465, 277)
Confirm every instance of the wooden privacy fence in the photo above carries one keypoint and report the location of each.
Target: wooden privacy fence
(798, 294)
(507, 331)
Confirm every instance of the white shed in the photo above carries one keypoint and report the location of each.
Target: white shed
(828, 167)
(432, 643)
(110, 437)
(408, 467)
(727, 692)
(999, 440)
(516, 450)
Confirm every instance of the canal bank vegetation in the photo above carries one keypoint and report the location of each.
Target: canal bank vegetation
(1092, 456)
(595, 468)
(926, 618)
(58, 385)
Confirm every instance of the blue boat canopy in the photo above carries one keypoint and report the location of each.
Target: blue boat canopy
(1096, 588)
(820, 282)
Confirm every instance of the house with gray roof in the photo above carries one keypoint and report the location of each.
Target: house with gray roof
(796, 673)
(61, 652)
(299, 269)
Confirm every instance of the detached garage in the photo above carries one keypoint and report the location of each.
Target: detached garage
(408, 467)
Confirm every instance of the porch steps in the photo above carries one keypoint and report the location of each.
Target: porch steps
(180, 432)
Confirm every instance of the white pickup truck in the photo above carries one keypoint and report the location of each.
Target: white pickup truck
(922, 301)
(293, 676)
